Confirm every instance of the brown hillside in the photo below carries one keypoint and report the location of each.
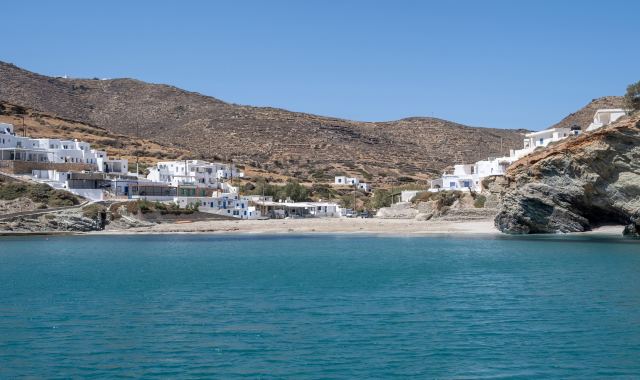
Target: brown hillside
(584, 116)
(303, 145)
(40, 125)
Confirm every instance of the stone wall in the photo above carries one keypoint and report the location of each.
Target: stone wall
(25, 167)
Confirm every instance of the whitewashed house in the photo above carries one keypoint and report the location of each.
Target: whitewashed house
(19, 148)
(193, 172)
(364, 187)
(408, 195)
(298, 209)
(468, 177)
(604, 117)
(541, 139)
(231, 205)
(345, 181)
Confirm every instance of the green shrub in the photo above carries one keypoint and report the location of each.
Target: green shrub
(632, 97)
(12, 190)
(39, 193)
(381, 198)
(93, 211)
(60, 198)
(144, 206)
(479, 201)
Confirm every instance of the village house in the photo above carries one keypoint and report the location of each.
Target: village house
(604, 117)
(52, 154)
(345, 181)
(351, 181)
(279, 210)
(226, 204)
(193, 172)
(468, 177)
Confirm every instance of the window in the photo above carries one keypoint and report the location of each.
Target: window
(541, 141)
(452, 184)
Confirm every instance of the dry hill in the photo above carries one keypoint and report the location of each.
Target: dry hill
(584, 116)
(38, 124)
(302, 145)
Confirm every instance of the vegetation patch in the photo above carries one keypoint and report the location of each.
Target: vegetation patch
(93, 211)
(39, 193)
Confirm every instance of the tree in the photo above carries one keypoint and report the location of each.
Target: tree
(346, 201)
(19, 110)
(293, 190)
(632, 97)
(381, 198)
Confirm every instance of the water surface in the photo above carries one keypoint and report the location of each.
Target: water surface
(319, 307)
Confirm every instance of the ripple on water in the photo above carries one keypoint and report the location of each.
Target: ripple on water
(319, 307)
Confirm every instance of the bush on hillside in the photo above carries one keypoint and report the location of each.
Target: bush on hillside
(92, 211)
(39, 193)
(381, 198)
(632, 97)
(442, 199)
(479, 201)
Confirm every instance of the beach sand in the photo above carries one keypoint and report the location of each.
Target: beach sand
(321, 225)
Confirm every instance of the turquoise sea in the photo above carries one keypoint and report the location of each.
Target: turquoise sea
(311, 307)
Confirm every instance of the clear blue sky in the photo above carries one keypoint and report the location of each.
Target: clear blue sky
(504, 64)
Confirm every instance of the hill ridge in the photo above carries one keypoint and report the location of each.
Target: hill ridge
(302, 145)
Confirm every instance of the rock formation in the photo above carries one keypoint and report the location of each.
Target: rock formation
(577, 184)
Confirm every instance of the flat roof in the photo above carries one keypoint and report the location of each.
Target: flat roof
(295, 204)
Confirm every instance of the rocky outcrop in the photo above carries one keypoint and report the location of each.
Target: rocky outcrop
(576, 185)
(456, 206)
(60, 221)
(402, 210)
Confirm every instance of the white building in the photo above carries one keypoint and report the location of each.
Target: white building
(408, 195)
(298, 209)
(468, 177)
(541, 139)
(364, 187)
(230, 205)
(193, 172)
(604, 117)
(19, 148)
(344, 180)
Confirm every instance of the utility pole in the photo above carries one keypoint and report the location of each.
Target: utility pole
(137, 150)
(355, 186)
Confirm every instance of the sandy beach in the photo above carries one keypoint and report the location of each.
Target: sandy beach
(326, 225)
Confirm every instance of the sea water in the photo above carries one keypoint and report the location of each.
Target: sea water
(200, 306)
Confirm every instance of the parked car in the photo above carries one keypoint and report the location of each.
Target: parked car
(365, 214)
(350, 213)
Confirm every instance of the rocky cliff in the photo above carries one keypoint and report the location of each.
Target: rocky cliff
(576, 184)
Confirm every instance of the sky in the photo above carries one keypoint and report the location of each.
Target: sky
(500, 64)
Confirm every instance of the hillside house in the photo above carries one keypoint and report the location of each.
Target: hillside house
(226, 204)
(195, 172)
(55, 151)
(604, 117)
(345, 181)
(278, 210)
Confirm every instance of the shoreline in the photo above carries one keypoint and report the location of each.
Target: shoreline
(321, 226)
(334, 226)
(385, 227)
